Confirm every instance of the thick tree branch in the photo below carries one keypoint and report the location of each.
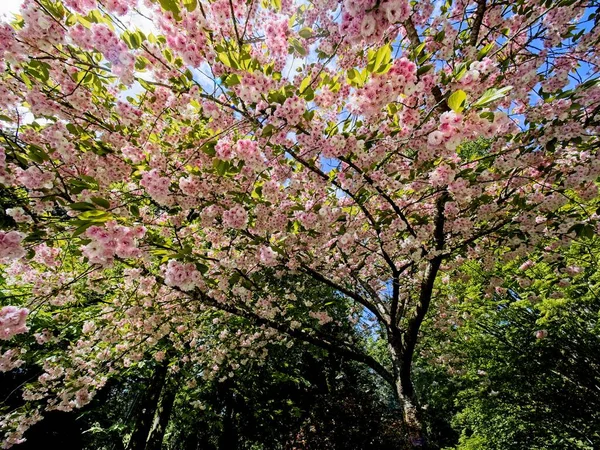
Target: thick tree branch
(479, 13)
(433, 267)
(358, 298)
(319, 341)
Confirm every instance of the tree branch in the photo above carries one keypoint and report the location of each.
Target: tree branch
(329, 344)
(412, 332)
(479, 13)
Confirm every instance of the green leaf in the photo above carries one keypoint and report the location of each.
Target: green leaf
(305, 33)
(485, 50)
(146, 84)
(309, 115)
(491, 95)
(456, 101)
(460, 71)
(417, 51)
(95, 216)
(221, 166)
(171, 6)
(487, 115)
(424, 69)
(39, 70)
(379, 61)
(268, 130)
(440, 36)
(383, 58)
(132, 39)
(190, 5)
(140, 63)
(134, 210)
(101, 202)
(232, 80)
(308, 94)
(82, 228)
(304, 84)
(298, 47)
(356, 78)
(82, 206)
(37, 154)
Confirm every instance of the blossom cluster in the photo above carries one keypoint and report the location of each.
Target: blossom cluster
(9, 360)
(276, 32)
(236, 217)
(157, 187)
(249, 152)
(291, 111)
(112, 241)
(380, 90)
(5, 177)
(185, 276)
(367, 20)
(12, 321)
(10, 246)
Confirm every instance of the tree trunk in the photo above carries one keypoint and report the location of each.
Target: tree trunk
(228, 440)
(405, 393)
(159, 426)
(411, 415)
(147, 409)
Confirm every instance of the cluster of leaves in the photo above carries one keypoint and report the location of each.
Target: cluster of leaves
(516, 370)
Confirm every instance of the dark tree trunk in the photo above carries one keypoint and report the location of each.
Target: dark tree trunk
(228, 440)
(165, 406)
(402, 346)
(405, 393)
(147, 409)
(411, 414)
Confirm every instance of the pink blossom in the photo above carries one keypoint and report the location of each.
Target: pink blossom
(541, 334)
(396, 10)
(185, 276)
(18, 215)
(526, 265)
(236, 217)
(12, 321)
(135, 154)
(442, 175)
(112, 241)
(34, 178)
(368, 25)
(435, 138)
(268, 256)
(249, 152)
(321, 316)
(10, 246)
(157, 187)
(9, 360)
(47, 255)
(224, 149)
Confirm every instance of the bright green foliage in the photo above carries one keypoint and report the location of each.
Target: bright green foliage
(518, 368)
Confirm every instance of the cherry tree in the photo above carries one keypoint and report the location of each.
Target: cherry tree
(163, 160)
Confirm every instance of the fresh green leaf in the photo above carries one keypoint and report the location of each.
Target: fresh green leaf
(456, 101)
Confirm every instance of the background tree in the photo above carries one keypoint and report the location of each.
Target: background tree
(517, 368)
